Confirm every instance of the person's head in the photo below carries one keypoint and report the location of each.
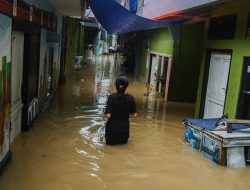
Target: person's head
(121, 84)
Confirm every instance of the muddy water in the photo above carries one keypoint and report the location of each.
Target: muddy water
(66, 147)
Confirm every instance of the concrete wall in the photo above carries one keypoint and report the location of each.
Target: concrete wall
(240, 47)
(44, 52)
(161, 41)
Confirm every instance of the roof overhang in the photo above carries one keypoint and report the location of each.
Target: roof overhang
(194, 12)
(74, 8)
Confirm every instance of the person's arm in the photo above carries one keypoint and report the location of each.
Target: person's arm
(133, 115)
(133, 111)
(107, 113)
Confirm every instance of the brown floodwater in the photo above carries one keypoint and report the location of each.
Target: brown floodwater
(65, 149)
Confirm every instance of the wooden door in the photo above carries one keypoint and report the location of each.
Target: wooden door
(217, 84)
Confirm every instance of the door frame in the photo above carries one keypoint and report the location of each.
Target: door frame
(149, 69)
(242, 80)
(27, 117)
(27, 29)
(50, 70)
(206, 75)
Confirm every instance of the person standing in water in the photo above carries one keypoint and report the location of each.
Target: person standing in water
(119, 108)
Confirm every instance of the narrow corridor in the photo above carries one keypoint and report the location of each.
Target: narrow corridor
(66, 148)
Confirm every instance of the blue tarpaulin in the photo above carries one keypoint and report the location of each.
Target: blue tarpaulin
(210, 124)
(133, 6)
(118, 20)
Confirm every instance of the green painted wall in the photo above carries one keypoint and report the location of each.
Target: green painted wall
(186, 63)
(158, 40)
(75, 43)
(186, 53)
(240, 47)
(161, 41)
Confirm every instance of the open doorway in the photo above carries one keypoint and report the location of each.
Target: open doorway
(244, 99)
(30, 78)
(28, 81)
(159, 74)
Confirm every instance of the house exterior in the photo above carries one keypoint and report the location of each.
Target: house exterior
(210, 55)
(161, 55)
(230, 44)
(29, 64)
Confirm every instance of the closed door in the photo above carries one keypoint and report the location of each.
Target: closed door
(217, 85)
(16, 82)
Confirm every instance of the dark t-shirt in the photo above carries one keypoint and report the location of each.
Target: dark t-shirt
(120, 106)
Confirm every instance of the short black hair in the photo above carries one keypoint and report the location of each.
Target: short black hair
(121, 83)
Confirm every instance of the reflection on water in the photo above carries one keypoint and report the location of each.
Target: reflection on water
(66, 147)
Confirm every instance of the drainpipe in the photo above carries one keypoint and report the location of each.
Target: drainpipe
(137, 57)
(83, 6)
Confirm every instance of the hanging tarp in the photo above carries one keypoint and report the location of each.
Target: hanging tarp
(118, 20)
(133, 6)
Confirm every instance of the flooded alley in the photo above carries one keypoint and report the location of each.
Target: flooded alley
(66, 150)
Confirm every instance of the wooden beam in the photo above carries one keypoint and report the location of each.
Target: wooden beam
(238, 121)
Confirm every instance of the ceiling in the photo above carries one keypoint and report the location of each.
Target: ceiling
(69, 7)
